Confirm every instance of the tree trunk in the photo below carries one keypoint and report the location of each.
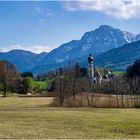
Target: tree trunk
(117, 101)
(122, 101)
(4, 92)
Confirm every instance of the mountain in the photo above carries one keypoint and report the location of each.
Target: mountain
(137, 37)
(23, 60)
(40, 57)
(119, 58)
(96, 42)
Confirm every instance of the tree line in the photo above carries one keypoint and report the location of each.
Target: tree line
(125, 89)
(11, 80)
(70, 82)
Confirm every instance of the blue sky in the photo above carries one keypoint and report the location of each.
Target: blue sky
(44, 25)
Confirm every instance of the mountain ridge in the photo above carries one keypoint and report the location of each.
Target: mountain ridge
(96, 42)
(101, 40)
(119, 58)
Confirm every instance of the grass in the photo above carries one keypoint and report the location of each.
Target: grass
(118, 72)
(31, 118)
(41, 84)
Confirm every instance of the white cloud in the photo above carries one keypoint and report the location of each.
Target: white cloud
(35, 48)
(120, 9)
(44, 14)
(39, 10)
(44, 11)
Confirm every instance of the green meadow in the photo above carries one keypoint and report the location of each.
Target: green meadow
(41, 84)
(118, 72)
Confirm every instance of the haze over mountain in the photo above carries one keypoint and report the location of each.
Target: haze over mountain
(96, 42)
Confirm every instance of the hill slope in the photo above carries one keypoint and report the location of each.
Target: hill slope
(23, 60)
(119, 58)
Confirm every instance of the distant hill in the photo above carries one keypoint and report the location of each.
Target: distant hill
(116, 59)
(24, 60)
(119, 58)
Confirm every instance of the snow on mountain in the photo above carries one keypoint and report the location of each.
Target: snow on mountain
(129, 36)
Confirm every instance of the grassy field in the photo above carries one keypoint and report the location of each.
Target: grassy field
(32, 118)
(118, 72)
(42, 84)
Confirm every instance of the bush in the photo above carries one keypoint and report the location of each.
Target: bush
(27, 84)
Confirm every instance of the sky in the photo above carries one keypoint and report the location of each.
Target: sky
(41, 26)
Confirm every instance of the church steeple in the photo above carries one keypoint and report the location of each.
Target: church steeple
(90, 66)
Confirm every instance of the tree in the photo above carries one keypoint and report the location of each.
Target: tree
(61, 86)
(133, 79)
(8, 76)
(134, 70)
(67, 85)
(77, 70)
(27, 84)
(60, 71)
(27, 74)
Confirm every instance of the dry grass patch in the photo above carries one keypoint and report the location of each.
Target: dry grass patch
(24, 102)
(30, 118)
(98, 101)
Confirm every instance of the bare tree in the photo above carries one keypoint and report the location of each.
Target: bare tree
(8, 76)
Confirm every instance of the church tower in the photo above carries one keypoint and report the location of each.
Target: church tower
(90, 66)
